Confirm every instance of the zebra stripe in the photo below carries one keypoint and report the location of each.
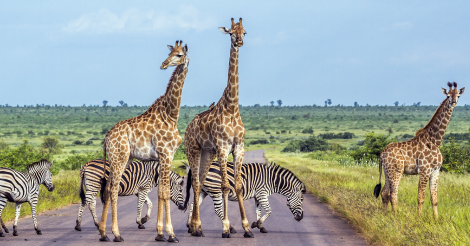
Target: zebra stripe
(259, 181)
(20, 187)
(138, 179)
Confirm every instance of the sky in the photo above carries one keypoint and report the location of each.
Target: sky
(302, 52)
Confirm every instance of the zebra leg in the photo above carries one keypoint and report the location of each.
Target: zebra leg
(267, 208)
(238, 154)
(33, 214)
(149, 209)
(258, 214)
(79, 217)
(17, 214)
(140, 202)
(92, 207)
(3, 202)
(219, 209)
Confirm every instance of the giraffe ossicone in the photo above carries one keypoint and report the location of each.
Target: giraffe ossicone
(421, 155)
(151, 136)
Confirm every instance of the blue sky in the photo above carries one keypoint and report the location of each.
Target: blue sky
(302, 52)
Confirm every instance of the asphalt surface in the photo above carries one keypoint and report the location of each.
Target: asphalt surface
(320, 226)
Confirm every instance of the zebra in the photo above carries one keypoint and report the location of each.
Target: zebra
(20, 187)
(138, 179)
(259, 181)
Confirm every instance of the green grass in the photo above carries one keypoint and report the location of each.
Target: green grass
(349, 191)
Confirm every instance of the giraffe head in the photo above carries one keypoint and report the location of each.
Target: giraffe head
(237, 32)
(178, 55)
(453, 94)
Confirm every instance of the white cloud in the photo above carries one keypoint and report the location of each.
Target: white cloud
(402, 26)
(138, 21)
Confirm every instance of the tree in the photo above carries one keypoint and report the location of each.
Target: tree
(373, 146)
(121, 102)
(51, 145)
(418, 104)
(356, 104)
(279, 102)
(105, 103)
(272, 103)
(326, 103)
(396, 103)
(329, 101)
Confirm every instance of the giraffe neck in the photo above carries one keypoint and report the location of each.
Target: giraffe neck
(172, 97)
(437, 128)
(231, 91)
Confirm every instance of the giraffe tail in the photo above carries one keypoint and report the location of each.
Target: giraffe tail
(378, 187)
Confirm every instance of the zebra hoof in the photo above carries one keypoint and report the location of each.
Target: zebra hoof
(226, 235)
(38, 232)
(1, 234)
(248, 234)
(141, 227)
(15, 233)
(143, 220)
(77, 227)
(160, 238)
(118, 239)
(232, 230)
(173, 240)
(254, 225)
(263, 230)
(6, 230)
(104, 239)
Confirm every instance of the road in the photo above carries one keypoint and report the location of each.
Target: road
(320, 226)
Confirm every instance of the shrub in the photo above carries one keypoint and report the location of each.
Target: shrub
(456, 157)
(89, 142)
(308, 130)
(19, 158)
(310, 144)
(77, 160)
(259, 141)
(77, 142)
(51, 145)
(373, 146)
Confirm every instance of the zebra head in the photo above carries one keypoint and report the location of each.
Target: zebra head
(40, 170)
(294, 202)
(176, 190)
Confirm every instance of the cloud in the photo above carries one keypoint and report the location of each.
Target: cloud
(138, 21)
(402, 26)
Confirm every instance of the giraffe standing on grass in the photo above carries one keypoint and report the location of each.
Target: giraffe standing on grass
(420, 155)
(218, 132)
(152, 135)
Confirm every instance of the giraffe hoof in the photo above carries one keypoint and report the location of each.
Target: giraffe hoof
(143, 220)
(160, 238)
(104, 239)
(248, 234)
(263, 230)
(173, 240)
(77, 227)
(226, 235)
(38, 232)
(118, 239)
(232, 230)
(1, 234)
(197, 234)
(189, 230)
(254, 225)
(6, 230)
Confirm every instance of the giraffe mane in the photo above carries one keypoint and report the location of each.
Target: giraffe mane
(159, 99)
(425, 128)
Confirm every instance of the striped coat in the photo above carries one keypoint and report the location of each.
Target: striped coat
(20, 187)
(259, 181)
(138, 179)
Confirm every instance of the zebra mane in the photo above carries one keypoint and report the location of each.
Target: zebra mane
(32, 166)
(277, 168)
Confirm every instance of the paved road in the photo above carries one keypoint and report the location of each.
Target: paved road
(318, 227)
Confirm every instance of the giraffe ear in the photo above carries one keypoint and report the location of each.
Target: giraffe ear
(170, 47)
(444, 91)
(224, 30)
(462, 91)
(185, 49)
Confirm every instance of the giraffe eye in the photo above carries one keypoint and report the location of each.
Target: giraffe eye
(179, 55)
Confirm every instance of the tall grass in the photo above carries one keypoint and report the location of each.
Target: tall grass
(66, 192)
(349, 190)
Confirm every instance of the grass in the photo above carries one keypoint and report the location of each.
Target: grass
(349, 188)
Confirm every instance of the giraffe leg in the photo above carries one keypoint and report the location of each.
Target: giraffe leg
(198, 182)
(423, 181)
(433, 190)
(222, 155)
(394, 190)
(164, 199)
(386, 191)
(238, 155)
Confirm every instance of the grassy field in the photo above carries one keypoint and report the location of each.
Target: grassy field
(348, 188)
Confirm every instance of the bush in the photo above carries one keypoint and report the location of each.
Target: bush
(77, 160)
(19, 158)
(77, 142)
(308, 130)
(89, 142)
(52, 145)
(373, 146)
(180, 153)
(259, 141)
(456, 157)
(331, 135)
(310, 144)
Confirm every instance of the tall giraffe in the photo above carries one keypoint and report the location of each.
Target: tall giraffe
(218, 132)
(152, 135)
(420, 155)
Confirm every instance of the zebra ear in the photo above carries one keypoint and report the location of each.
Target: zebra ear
(50, 165)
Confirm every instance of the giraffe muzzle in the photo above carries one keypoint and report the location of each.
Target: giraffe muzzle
(164, 66)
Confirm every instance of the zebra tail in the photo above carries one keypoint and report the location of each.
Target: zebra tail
(188, 189)
(10, 197)
(103, 192)
(81, 190)
(378, 187)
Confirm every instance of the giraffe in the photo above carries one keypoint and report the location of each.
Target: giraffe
(152, 135)
(421, 155)
(218, 132)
